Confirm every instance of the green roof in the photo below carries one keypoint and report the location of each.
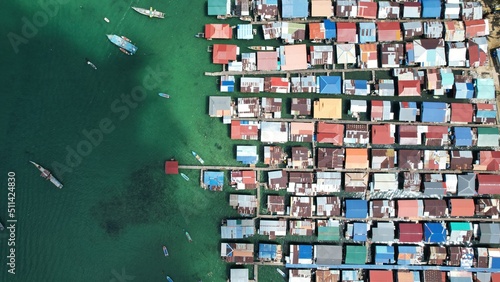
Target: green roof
(457, 226)
(217, 7)
(328, 233)
(487, 130)
(355, 255)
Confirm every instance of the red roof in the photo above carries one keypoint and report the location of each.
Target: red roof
(389, 31)
(316, 31)
(461, 112)
(381, 134)
(381, 276)
(410, 232)
(244, 131)
(477, 57)
(495, 277)
(475, 28)
(488, 184)
(462, 207)
(218, 31)
(346, 32)
(377, 111)
(409, 87)
(224, 53)
(490, 159)
(367, 10)
(279, 81)
(171, 167)
(330, 133)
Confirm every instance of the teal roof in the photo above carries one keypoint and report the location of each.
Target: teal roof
(487, 137)
(485, 88)
(355, 255)
(458, 226)
(328, 233)
(217, 7)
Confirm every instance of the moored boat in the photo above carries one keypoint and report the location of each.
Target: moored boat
(47, 175)
(150, 13)
(262, 48)
(169, 279)
(200, 35)
(123, 43)
(106, 20)
(197, 157)
(165, 251)
(164, 95)
(281, 272)
(90, 64)
(188, 237)
(185, 176)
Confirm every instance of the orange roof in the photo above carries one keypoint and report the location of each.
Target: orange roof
(356, 158)
(408, 208)
(223, 53)
(315, 31)
(303, 128)
(489, 160)
(321, 8)
(218, 31)
(495, 277)
(462, 207)
(330, 108)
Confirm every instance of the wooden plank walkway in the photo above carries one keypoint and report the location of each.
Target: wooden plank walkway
(216, 167)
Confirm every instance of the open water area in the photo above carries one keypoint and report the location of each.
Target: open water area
(105, 134)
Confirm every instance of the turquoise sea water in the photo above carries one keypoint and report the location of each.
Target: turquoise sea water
(117, 207)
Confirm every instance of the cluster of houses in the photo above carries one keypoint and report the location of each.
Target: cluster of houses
(252, 112)
(408, 83)
(269, 10)
(399, 190)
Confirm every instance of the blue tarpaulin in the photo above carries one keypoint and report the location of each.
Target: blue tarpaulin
(267, 251)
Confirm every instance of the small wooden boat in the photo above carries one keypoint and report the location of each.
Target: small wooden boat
(169, 279)
(262, 48)
(106, 20)
(185, 176)
(188, 237)
(281, 272)
(197, 157)
(200, 35)
(150, 13)
(163, 95)
(165, 251)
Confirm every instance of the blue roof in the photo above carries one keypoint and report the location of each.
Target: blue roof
(330, 29)
(495, 262)
(360, 231)
(361, 84)
(305, 251)
(464, 90)
(431, 8)
(434, 232)
(228, 85)
(294, 8)
(410, 57)
(384, 254)
(329, 84)
(213, 179)
(356, 208)
(433, 112)
(463, 136)
(267, 251)
(486, 114)
(367, 32)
